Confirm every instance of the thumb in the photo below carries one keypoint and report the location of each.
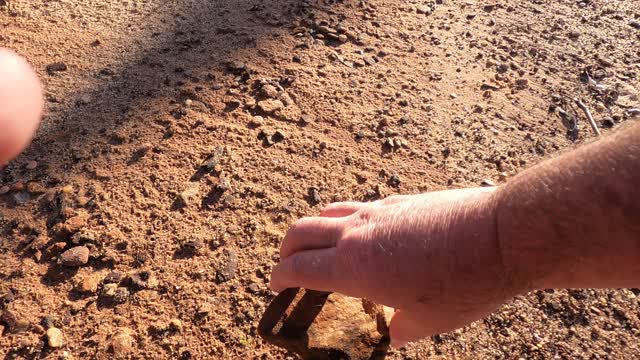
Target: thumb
(406, 327)
(21, 104)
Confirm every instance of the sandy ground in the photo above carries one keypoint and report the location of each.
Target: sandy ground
(182, 137)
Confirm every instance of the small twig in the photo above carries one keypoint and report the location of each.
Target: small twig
(587, 113)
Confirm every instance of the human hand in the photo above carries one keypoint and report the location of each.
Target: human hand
(21, 104)
(434, 257)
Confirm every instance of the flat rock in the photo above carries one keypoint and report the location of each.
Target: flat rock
(76, 256)
(270, 106)
(320, 325)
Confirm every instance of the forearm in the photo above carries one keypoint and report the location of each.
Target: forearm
(574, 221)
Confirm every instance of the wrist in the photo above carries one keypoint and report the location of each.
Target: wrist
(527, 260)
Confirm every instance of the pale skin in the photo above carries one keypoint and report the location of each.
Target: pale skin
(21, 104)
(443, 259)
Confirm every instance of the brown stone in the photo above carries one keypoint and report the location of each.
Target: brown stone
(56, 248)
(121, 342)
(320, 325)
(270, 106)
(76, 256)
(74, 224)
(89, 284)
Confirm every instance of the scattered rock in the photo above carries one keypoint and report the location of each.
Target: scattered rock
(256, 121)
(17, 186)
(54, 338)
(253, 288)
(424, 9)
(203, 311)
(320, 325)
(74, 257)
(278, 136)
(56, 248)
(89, 284)
(394, 181)
(314, 196)
(56, 67)
(4, 189)
(574, 35)
(121, 342)
(212, 160)
(306, 119)
(8, 319)
(635, 24)
(31, 165)
(269, 91)
(114, 277)
(192, 247)
(114, 293)
(229, 268)
(144, 280)
(76, 223)
(121, 295)
(48, 322)
(175, 325)
(270, 106)
(190, 194)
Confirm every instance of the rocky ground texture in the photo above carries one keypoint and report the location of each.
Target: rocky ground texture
(181, 138)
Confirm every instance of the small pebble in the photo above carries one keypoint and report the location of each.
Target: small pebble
(32, 165)
(256, 121)
(253, 288)
(18, 186)
(4, 190)
(54, 338)
(89, 284)
(278, 136)
(56, 67)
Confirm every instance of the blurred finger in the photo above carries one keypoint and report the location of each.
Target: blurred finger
(312, 233)
(314, 269)
(21, 104)
(341, 209)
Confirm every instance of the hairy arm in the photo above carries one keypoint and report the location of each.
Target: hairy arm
(574, 221)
